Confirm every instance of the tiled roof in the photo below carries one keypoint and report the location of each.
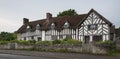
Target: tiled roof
(58, 21)
(74, 21)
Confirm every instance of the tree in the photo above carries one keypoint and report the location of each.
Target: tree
(7, 36)
(69, 12)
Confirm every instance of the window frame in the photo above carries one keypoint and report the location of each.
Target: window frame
(92, 25)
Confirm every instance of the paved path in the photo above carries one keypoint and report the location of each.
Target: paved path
(53, 55)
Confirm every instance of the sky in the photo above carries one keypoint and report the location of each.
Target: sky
(12, 12)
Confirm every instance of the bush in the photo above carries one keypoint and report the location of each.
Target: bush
(32, 41)
(105, 42)
(3, 42)
(56, 42)
(44, 42)
(70, 41)
(111, 48)
(23, 41)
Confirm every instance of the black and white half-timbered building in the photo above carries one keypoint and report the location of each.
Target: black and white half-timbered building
(89, 27)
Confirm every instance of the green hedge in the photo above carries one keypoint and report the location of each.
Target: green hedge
(70, 41)
(105, 42)
(64, 41)
(4, 42)
(44, 42)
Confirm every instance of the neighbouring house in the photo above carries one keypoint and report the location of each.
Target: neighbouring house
(117, 32)
(117, 35)
(89, 27)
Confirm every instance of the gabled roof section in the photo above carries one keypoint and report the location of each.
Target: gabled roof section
(107, 21)
(99, 15)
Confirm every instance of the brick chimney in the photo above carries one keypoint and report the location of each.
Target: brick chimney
(48, 16)
(25, 20)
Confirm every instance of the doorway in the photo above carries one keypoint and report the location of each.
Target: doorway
(87, 39)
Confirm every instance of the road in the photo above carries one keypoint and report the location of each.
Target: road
(18, 54)
(9, 56)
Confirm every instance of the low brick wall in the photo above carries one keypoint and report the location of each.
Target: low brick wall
(87, 48)
(57, 47)
(22, 46)
(4, 46)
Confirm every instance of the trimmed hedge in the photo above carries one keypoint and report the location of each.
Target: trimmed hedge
(64, 41)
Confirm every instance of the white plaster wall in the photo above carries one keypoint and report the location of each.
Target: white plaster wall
(104, 38)
(43, 35)
(91, 38)
(77, 34)
(48, 37)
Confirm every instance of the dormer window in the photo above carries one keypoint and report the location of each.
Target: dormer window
(37, 27)
(92, 27)
(52, 26)
(66, 25)
(28, 28)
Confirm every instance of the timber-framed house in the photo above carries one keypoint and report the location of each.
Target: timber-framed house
(89, 27)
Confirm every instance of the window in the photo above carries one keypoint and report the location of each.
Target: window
(28, 28)
(54, 37)
(60, 37)
(97, 38)
(37, 27)
(39, 39)
(92, 27)
(25, 38)
(52, 26)
(68, 36)
(32, 37)
(66, 25)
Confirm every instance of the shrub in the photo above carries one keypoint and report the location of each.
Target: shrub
(44, 42)
(13, 41)
(71, 41)
(32, 41)
(3, 42)
(105, 42)
(22, 41)
(56, 42)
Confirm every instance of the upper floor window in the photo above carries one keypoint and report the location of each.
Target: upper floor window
(28, 28)
(66, 25)
(92, 27)
(52, 26)
(37, 27)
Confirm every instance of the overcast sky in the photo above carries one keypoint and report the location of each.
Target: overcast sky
(12, 12)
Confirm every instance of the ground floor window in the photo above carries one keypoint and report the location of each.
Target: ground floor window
(60, 37)
(69, 36)
(25, 38)
(32, 37)
(39, 38)
(54, 37)
(97, 38)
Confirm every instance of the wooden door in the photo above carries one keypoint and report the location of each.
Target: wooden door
(87, 39)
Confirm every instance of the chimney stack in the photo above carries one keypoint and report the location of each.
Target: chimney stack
(48, 16)
(25, 20)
